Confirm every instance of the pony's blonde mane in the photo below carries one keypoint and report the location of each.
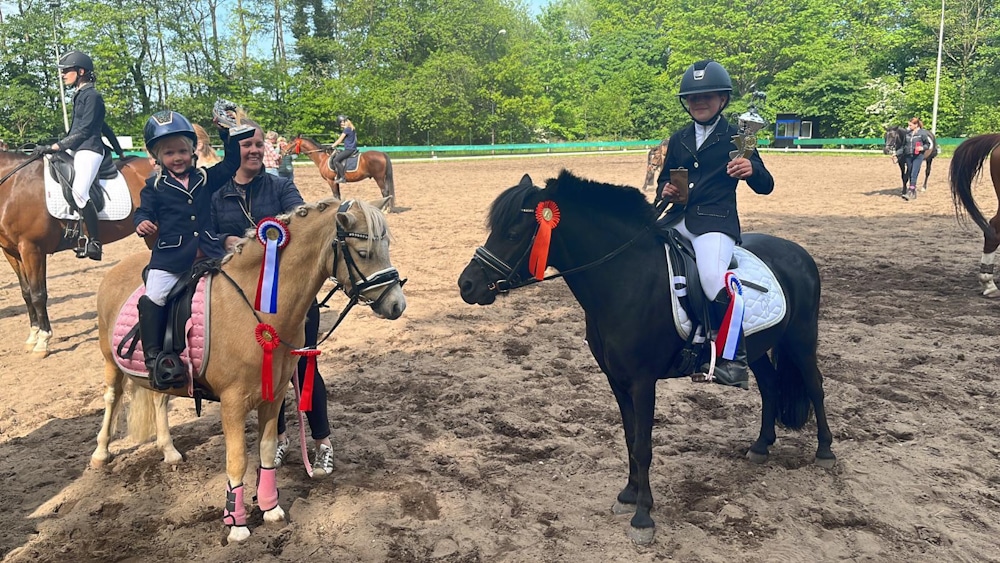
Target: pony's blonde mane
(377, 225)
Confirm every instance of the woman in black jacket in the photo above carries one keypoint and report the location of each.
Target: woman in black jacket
(250, 196)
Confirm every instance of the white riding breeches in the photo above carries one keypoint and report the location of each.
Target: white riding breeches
(714, 253)
(158, 285)
(86, 165)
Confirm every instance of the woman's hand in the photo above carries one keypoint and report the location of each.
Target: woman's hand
(739, 168)
(146, 228)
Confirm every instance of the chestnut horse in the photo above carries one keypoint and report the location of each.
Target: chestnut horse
(966, 165)
(654, 161)
(371, 164)
(348, 241)
(28, 234)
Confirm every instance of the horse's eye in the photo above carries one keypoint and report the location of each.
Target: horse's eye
(363, 253)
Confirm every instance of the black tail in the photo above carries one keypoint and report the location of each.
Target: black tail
(794, 406)
(966, 165)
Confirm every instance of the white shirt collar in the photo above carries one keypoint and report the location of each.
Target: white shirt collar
(701, 132)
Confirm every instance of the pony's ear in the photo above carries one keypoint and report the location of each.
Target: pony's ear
(525, 182)
(346, 220)
(380, 203)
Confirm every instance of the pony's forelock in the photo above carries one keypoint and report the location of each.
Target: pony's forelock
(507, 206)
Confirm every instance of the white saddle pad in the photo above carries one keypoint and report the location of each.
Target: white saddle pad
(762, 310)
(117, 199)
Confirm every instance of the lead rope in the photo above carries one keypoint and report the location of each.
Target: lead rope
(302, 428)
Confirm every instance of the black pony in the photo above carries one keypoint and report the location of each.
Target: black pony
(604, 231)
(895, 144)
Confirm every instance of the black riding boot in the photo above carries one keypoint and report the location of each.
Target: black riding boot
(339, 166)
(165, 369)
(728, 372)
(92, 249)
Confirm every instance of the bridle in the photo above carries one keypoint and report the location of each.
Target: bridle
(510, 279)
(360, 283)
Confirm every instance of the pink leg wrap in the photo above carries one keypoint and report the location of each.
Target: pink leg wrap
(267, 488)
(235, 513)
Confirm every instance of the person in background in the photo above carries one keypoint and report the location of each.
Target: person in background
(84, 139)
(285, 168)
(918, 145)
(709, 218)
(272, 155)
(349, 138)
(251, 195)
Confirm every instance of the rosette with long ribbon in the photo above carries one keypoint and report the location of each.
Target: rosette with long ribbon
(730, 331)
(273, 234)
(305, 400)
(547, 215)
(268, 339)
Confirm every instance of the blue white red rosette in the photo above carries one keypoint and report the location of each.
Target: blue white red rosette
(273, 234)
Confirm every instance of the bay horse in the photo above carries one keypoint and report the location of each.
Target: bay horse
(349, 241)
(966, 166)
(371, 164)
(654, 161)
(895, 144)
(28, 233)
(608, 248)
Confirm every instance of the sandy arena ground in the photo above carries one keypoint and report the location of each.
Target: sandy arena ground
(467, 433)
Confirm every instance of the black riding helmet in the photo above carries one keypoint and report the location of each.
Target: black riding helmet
(703, 77)
(164, 124)
(76, 59)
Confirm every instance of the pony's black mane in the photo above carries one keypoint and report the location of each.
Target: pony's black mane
(595, 198)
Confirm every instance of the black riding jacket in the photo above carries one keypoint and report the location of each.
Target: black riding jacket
(88, 121)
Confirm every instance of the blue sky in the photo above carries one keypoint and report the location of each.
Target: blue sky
(535, 6)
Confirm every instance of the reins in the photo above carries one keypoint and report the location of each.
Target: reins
(31, 159)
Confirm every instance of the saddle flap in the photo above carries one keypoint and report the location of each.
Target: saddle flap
(61, 168)
(108, 170)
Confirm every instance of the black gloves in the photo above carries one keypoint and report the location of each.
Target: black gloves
(43, 149)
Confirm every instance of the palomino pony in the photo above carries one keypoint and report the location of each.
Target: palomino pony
(654, 161)
(349, 242)
(966, 165)
(28, 233)
(371, 164)
(607, 246)
(895, 144)
(206, 154)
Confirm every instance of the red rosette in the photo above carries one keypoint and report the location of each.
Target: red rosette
(268, 339)
(547, 215)
(305, 399)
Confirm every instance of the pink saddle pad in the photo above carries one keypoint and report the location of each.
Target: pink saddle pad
(195, 354)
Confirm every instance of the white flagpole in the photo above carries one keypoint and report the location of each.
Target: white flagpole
(937, 79)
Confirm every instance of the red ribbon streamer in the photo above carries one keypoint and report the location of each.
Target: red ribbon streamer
(547, 215)
(268, 339)
(305, 400)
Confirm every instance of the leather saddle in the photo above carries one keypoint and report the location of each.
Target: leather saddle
(178, 309)
(350, 163)
(61, 168)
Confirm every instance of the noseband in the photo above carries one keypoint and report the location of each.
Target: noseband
(359, 282)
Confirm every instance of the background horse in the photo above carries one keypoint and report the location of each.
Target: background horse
(350, 243)
(654, 161)
(895, 144)
(966, 165)
(607, 245)
(28, 233)
(206, 154)
(371, 164)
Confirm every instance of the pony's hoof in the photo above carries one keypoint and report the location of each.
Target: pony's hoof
(641, 536)
(39, 354)
(172, 457)
(622, 508)
(99, 463)
(275, 515)
(238, 533)
(757, 458)
(826, 462)
(992, 294)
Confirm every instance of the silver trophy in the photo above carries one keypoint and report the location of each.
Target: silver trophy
(230, 116)
(748, 124)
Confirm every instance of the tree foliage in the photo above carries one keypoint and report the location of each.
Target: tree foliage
(452, 71)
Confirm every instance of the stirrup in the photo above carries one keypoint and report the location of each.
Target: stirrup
(168, 372)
